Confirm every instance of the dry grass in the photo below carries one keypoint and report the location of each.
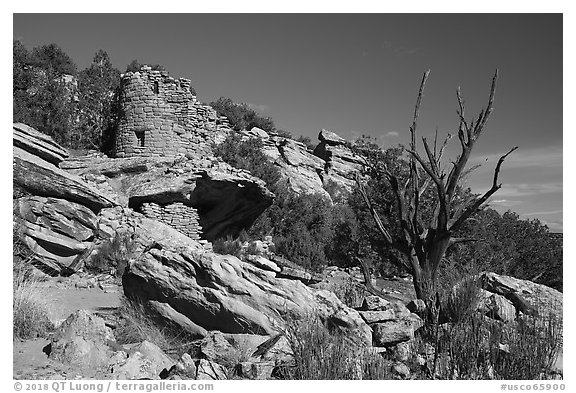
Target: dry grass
(320, 354)
(349, 291)
(30, 310)
(480, 348)
(138, 324)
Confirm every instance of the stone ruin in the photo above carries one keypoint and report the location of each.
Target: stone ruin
(161, 117)
(179, 216)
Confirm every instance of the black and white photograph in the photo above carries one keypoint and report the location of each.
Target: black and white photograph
(206, 197)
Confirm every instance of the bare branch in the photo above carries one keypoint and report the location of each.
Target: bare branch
(417, 111)
(413, 168)
(441, 152)
(435, 140)
(431, 158)
(473, 131)
(373, 212)
(490, 105)
(425, 166)
(497, 170)
(424, 186)
(440, 188)
(461, 109)
(480, 201)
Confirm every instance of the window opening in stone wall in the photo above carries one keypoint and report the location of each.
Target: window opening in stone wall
(156, 87)
(140, 136)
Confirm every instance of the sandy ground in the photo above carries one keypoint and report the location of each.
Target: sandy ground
(30, 362)
(65, 301)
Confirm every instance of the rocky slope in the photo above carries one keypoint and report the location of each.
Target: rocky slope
(68, 209)
(331, 166)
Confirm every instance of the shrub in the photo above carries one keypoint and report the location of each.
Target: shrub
(228, 246)
(135, 66)
(303, 227)
(247, 154)
(350, 292)
(241, 116)
(459, 291)
(113, 255)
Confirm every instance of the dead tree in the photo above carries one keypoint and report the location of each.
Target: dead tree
(422, 245)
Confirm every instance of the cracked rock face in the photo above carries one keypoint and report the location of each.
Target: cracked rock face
(39, 177)
(330, 166)
(36, 143)
(226, 199)
(59, 232)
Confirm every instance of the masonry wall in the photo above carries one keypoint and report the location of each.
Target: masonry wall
(161, 117)
(177, 215)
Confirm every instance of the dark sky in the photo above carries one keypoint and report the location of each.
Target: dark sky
(359, 74)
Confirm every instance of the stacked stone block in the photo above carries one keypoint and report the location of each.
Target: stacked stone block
(179, 216)
(161, 117)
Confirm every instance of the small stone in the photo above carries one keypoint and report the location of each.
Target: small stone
(255, 370)
(374, 303)
(208, 370)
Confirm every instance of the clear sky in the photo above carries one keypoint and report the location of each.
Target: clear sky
(359, 74)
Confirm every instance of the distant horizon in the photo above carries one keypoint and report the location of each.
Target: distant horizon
(358, 74)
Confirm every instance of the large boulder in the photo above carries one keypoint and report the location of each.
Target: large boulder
(209, 370)
(341, 163)
(392, 332)
(143, 361)
(38, 144)
(526, 296)
(83, 340)
(299, 169)
(59, 233)
(39, 177)
(223, 293)
(496, 306)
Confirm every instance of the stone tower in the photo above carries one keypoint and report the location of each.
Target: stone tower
(161, 117)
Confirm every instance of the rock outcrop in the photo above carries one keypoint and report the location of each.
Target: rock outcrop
(391, 322)
(82, 339)
(331, 167)
(60, 233)
(340, 161)
(223, 293)
(143, 361)
(38, 144)
(194, 195)
(526, 296)
(39, 177)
